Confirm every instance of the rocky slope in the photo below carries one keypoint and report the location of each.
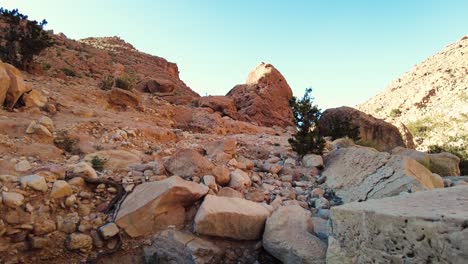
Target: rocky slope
(431, 99)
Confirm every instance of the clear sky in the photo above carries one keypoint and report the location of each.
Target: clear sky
(346, 50)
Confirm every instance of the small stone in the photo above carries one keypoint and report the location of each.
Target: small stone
(44, 227)
(321, 179)
(323, 213)
(77, 182)
(239, 180)
(39, 242)
(210, 181)
(12, 199)
(148, 173)
(196, 179)
(83, 169)
(97, 240)
(78, 241)
(108, 230)
(286, 178)
(84, 209)
(312, 160)
(23, 166)
(322, 203)
(68, 224)
(34, 182)
(112, 190)
(60, 189)
(70, 201)
(275, 168)
(317, 192)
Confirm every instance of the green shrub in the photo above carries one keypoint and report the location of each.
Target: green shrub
(107, 83)
(98, 163)
(46, 66)
(420, 128)
(68, 144)
(343, 127)
(22, 39)
(125, 82)
(68, 72)
(395, 112)
(306, 117)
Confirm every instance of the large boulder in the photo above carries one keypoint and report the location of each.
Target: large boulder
(359, 173)
(416, 228)
(123, 98)
(231, 218)
(264, 98)
(375, 132)
(187, 163)
(289, 236)
(444, 164)
(153, 206)
(4, 83)
(221, 104)
(17, 85)
(157, 86)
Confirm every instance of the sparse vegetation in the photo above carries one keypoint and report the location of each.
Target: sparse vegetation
(107, 83)
(68, 72)
(125, 82)
(343, 127)
(306, 117)
(420, 128)
(98, 163)
(46, 66)
(67, 143)
(22, 39)
(395, 112)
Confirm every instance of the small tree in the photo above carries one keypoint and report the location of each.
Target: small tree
(343, 127)
(22, 39)
(306, 116)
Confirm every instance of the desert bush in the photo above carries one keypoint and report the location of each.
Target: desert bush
(98, 163)
(107, 83)
(68, 72)
(395, 112)
(22, 39)
(420, 127)
(46, 66)
(67, 143)
(306, 117)
(125, 82)
(343, 127)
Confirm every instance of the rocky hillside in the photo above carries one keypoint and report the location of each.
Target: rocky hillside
(431, 99)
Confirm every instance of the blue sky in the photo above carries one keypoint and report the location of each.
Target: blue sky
(347, 51)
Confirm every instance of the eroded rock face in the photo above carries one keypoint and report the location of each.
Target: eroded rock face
(359, 173)
(231, 218)
(413, 228)
(221, 104)
(188, 163)
(153, 206)
(123, 98)
(17, 85)
(264, 98)
(383, 135)
(289, 236)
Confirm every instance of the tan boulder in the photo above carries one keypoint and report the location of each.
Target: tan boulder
(116, 160)
(123, 98)
(60, 189)
(82, 169)
(222, 175)
(264, 98)
(17, 85)
(410, 228)
(12, 199)
(231, 218)
(359, 173)
(230, 192)
(216, 148)
(4, 83)
(444, 164)
(240, 180)
(34, 99)
(153, 206)
(187, 163)
(373, 132)
(34, 182)
(289, 236)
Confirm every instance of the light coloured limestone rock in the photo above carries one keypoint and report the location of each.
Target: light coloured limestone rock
(23, 166)
(187, 163)
(312, 160)
(82, 169)
(108, 230)
(414, 228)
(153, 206)
(34, 99)
(181, 247)
(240, 180)
(79, 241)
(444, 164)
(359, 173)
(60, 189)
(34, 182)
(231, 218)
(289, 236)
(12, 199)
